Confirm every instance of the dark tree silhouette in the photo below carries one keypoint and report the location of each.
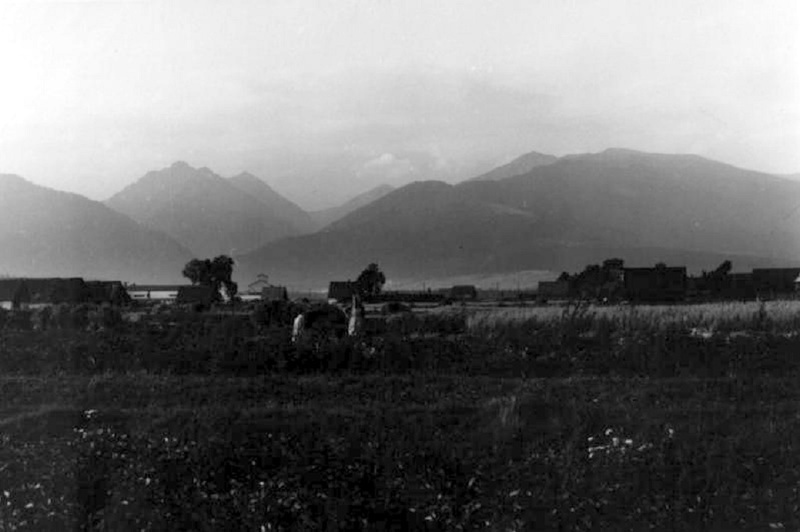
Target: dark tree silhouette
(214, 273)
(370, 282)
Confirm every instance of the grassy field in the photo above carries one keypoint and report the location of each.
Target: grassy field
(573, 419)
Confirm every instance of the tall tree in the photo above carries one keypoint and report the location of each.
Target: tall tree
(216, 274)
(198, 271)
(222, 272)
(370, 282)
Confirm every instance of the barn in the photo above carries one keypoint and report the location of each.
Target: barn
(54, 291)
(661, 283)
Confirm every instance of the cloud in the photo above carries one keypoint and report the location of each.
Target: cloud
(387, 167)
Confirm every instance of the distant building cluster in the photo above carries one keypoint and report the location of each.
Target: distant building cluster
(612, 281)
(32, 293)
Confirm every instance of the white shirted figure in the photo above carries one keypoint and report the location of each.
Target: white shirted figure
(355, 324)
(297, 327)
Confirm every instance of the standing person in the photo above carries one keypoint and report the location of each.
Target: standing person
(355, 325)
(297, 327)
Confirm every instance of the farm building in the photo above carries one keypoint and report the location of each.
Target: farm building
(553, 290)
(112, 292)
(341, 291)
(56, 290)
(771, 282)
(464, 292)
(195, 295)
(154, 292)
(661, 283)
(13, 294)
(274, 293)
(739, 286)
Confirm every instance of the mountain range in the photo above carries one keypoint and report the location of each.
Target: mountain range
(46, 233)
(644, 208)
(537, 213)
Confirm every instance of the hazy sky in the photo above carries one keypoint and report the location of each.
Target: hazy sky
(328, 98)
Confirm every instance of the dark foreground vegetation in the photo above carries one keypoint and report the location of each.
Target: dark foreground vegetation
(576, 419)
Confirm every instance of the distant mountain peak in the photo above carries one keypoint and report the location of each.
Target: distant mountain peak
(245, 175)
(14, 178)
(205, 212)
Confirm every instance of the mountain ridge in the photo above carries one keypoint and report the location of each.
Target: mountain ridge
(325, 217)
(585, 207)
(205, 212)
(46, 232)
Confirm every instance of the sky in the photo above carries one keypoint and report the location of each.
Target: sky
(326, 99)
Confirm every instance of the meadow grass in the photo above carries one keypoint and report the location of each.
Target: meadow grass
(391, 452)
(571, 418)
(779, 316)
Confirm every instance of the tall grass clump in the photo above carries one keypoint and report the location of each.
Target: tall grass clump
(717, 339)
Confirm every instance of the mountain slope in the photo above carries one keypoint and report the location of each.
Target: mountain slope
(44, 232)
(325, 217)
(644, 208)
(521, 165)
(204, 212)
(276, 204)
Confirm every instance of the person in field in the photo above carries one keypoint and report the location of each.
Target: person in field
(297, 327)
(355, 324)
(321, 323)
